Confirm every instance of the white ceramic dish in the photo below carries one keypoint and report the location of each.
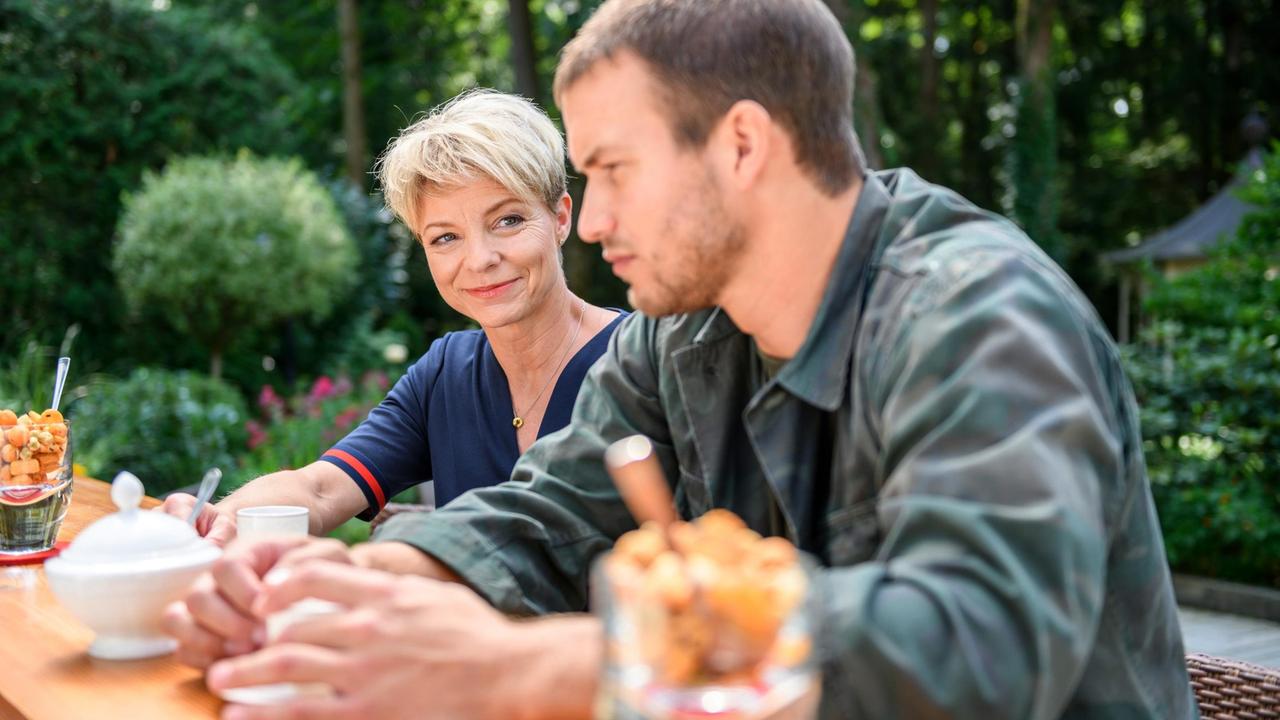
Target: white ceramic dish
(118, 575)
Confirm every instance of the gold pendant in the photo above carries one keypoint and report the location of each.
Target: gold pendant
(517, 422)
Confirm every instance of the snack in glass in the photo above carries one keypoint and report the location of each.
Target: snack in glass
(706, 619)
(35, 479)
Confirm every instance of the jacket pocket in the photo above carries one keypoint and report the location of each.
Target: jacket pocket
(852, 533)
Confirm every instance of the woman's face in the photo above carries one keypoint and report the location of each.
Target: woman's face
(494, 257)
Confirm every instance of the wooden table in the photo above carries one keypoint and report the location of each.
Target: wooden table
(45, 673)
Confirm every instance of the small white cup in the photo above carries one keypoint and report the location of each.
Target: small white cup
(279, 693)
(256, 523)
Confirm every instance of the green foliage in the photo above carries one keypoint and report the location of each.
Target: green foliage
(354, 337)
(1033, 160)
(1208, 382)
(165, 427)
(26, 380)
(27, 376)
(224, 247)
(1148, 102)
(95, 92)
(1210, 400)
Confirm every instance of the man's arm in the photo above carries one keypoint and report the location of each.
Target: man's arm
(997, 439)
(526, 545)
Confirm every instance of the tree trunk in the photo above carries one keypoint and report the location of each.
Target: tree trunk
(927, 156)
(524, 60)
(1033, 153)
(866, 108)
(1230, 107)
(353, 127)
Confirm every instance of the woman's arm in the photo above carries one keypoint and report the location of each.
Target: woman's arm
(329, 495)
(321, 487)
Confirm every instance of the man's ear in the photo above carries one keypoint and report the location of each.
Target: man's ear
(742, 142)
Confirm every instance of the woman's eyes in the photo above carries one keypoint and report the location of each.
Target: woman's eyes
(510, 221)
(506, 221)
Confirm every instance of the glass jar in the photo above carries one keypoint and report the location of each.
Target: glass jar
(707, 642)
(35, 484)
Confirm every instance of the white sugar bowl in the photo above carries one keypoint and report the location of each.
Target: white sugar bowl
(120, 573)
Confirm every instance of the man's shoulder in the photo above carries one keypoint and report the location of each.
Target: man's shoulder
(666, 334)
(927, 227)
(942, 253)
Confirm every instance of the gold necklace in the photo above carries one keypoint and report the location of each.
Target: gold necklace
(516, 420)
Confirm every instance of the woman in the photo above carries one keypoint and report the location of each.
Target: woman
(481, 183)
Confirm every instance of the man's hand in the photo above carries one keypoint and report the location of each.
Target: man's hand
(407, 643)
(214, 525)
(216, 618)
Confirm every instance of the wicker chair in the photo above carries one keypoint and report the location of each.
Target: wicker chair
(1232, 690)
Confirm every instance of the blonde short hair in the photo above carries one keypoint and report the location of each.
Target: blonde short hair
(481, 134)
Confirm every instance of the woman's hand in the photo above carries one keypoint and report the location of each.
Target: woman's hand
(216, 526)
(403, 647)
(216, 619)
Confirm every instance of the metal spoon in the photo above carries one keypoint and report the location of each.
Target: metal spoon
(208, 484)
(59, 381)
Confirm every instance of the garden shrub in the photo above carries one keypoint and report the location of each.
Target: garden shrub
(165, 427)
(226, 247)
(1207, 377)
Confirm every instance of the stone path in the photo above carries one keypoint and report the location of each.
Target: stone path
(1231, 636)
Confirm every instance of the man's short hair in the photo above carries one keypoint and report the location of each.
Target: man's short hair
(479, 134)
(791, 56)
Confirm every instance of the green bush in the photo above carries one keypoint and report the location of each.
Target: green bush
(94, 93)
(1210, 402)
(27, 377)
(165, 427)
(226, 247)
(1207, 376)
(353, 337)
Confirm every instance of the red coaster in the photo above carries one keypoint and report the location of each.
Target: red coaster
(32, 558)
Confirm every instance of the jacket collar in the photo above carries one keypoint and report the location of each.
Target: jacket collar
(819, 373)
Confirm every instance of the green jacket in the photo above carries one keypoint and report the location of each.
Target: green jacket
(955, 441)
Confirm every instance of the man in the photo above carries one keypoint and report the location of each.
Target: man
(900, 383)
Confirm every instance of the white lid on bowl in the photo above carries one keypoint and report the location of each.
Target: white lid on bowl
(134, 535)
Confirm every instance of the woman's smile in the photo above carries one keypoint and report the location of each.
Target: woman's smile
(486, 292)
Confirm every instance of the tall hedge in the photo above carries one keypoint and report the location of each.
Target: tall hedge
(94, 93)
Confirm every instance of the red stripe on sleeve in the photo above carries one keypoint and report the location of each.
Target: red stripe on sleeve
(350, 459)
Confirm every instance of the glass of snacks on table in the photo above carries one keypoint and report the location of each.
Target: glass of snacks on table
(707, 620)
(35, 479)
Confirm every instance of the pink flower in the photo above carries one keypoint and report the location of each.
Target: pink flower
(271, 404)
(342, 386)
(321, 389)
(347, 418)
(376, 378)
(257, 436)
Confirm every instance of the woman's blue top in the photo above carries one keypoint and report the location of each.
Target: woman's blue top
(448, 419)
